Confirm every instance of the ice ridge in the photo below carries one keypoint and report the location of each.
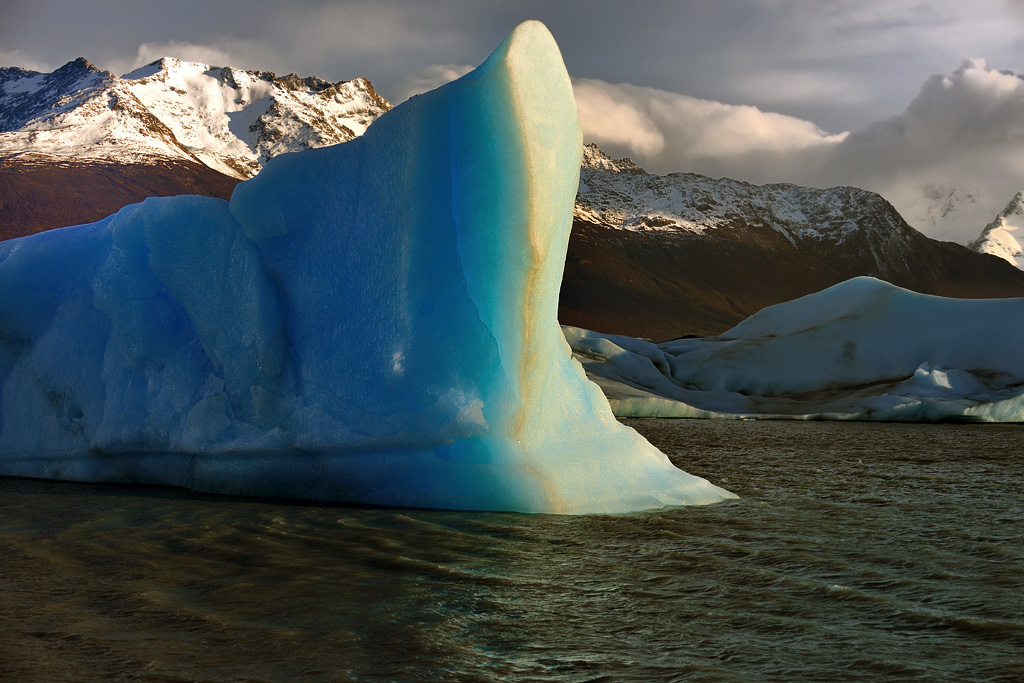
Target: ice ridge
(861, 350)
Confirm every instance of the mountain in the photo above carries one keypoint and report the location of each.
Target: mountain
(1003, 237)
(82, 142)
(228, 119)
(942, 209)
(666, 256)
(649, 256)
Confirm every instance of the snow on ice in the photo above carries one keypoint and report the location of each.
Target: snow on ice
(862, 349)
(371, 322)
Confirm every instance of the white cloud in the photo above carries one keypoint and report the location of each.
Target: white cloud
(431, 77)
(962, 135)
(666, 131)
(613, 117)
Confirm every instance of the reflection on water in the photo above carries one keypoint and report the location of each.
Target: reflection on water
(856, 551)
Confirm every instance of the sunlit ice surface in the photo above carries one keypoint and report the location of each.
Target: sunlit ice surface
(373, 322)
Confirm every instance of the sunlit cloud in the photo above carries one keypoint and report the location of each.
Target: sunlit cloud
(667, 131)
(615, 118)
(963, 132)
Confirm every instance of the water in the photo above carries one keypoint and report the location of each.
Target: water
(857, 551)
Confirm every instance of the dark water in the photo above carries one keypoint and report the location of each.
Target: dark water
(858, 551)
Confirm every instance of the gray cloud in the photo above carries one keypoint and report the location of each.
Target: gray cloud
(25, 61)
(962, 134)
(963, 131)
(839, 64)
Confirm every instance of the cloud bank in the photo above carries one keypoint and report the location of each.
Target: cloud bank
(672, 132)
(949, 162)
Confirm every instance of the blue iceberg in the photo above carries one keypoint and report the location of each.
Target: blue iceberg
(373, 322)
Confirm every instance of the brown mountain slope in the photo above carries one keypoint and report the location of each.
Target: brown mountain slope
(683, 254)
(662, 287)
(37, 193)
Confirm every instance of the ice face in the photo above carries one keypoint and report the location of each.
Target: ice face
(372, 322)
(863, 349)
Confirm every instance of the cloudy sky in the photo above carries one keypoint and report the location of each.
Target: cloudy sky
(915, 99)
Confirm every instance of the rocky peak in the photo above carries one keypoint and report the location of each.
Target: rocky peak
(1015, 207)
(308, 84)
(373, 96)
(613, 195)
(229, 119)
(79, 66)
(594, 157)
(1004, 236)
(26, 95)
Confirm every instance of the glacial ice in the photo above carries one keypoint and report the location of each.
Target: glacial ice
(373, 322)
(862, 349)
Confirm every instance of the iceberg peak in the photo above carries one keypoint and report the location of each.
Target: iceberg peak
(373, 322)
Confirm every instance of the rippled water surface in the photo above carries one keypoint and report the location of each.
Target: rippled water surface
(857, 551)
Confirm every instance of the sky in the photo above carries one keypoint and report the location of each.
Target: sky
(905, 97)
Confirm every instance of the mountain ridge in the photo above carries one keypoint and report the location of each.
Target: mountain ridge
(649, 256)
(1003, 237)
(684, 254)
(229, 119)
(79, 143)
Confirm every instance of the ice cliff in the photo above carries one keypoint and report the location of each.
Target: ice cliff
(373, 322)
(862, 349)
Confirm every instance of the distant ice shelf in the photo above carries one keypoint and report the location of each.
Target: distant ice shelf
(860, 350)
(372, 322)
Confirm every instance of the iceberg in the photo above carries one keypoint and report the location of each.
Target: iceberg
(373, 322)
(863, 350)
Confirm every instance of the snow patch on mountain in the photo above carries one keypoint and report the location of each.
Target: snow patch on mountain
(1004, 236)
(26, 94)
(80, 112)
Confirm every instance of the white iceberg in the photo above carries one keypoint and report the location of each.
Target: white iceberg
(862, 349)
(373, 322)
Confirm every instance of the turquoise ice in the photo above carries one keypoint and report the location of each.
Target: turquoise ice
(373, 322)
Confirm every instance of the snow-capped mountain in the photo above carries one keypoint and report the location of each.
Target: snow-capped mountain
(228, 119)
(619, 194)
(942, 210)
(1004, 237)
(79, 112)
(79, 143)
(662, 256)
